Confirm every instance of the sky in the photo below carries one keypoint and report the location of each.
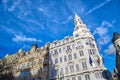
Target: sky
(24, 22)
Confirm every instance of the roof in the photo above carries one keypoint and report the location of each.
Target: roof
(115, 36)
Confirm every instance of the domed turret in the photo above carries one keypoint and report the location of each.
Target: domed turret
(116, 42)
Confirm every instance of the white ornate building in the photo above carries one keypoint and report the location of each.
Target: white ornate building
(76, 57)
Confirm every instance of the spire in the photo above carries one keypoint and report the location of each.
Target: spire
(77, 20)
(115, 36)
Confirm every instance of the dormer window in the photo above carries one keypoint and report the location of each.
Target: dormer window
(89, 41)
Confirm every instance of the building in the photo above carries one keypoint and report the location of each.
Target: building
(116, 42)
(29, 65)
(72, 58)
(76, 57)
(33, 65)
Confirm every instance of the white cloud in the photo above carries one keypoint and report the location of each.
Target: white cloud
(23, 38)
(64, 22)
(102, 32)
(14, 5)
(44, 11)
(69, 18)
(97, 7)
(111, 49)
(103, 40)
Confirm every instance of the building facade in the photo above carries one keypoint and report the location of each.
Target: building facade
(76, 57)
(33, 65)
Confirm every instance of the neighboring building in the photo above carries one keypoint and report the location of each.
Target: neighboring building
(33, 65)
(116, 42)
(76, 57)
(73, 58)
(29, 65)
(6, 67)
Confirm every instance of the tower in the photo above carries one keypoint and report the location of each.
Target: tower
(116, 42)
(80, 29)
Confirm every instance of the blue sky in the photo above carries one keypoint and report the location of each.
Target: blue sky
(24, 22)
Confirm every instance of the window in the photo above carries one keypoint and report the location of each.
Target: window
(89, 41)
(79, 47)
(55, 51)
(64, 49)
(81, 53)
(41, 53)
(60, 59)
(78, 42)
(40, 61)
(77, 67)
(91, 51)
(56, 60)
(66, 69)
(34, 62)
(73, 78)
(30, 64)
(76, 35)
(27, 72)
(51, 73)
(87, 77)
(65, 58)
(18, 67)
(56, 72)
(79, 78)
(84, 65)
(70, 57)
(23, 66)
(98, 75)
(68, 47)
(59, 50)
(71, 68)
(68, 79)
(94, 51)
(34, 71)
(22, 74)
(73, 46)
(61, 71)
(51, 52)
(75, 55)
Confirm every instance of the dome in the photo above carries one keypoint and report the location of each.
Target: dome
(115, 36)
